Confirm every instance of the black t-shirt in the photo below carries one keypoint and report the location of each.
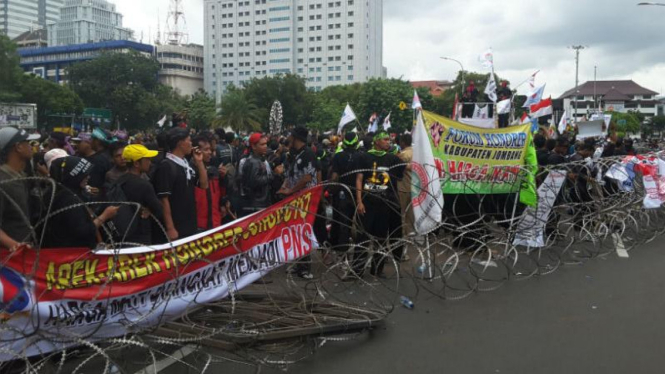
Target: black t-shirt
(555, 159)
(345, 164)
(542, 155)
(14, 205)
(170, 180)
(301, 163)
(139, 190)
(101, 164)
(71, 228)
(383, 171)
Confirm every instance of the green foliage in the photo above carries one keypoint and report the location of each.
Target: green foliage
(625, 122)
(239, 112)
(658, 123)
(201, 110)
(10, 72)
(127, 84)
(50, 97)
(382, 96)
(290, 90)
(444, 103)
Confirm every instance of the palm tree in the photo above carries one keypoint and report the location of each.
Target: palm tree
(238, 112)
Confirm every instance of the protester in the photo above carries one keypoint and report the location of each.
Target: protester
(208, 201)
(344, 167)
(138, 189)
(119, 164)
(558, 156)
(378, 205)
(405, 184)
(68, 212)
(15, 155)
(255, 176)
(301, 174)
(542, 154)
(174, 182)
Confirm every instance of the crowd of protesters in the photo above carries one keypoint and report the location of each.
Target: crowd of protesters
(179, 182)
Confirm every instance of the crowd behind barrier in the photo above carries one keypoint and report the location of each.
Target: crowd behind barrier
(127, 197)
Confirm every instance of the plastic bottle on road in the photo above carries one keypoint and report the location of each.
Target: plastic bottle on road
(406, 302)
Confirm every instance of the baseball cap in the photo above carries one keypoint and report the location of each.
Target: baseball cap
(53, 155)
(11, 135)
(255, 138)
(83, 137)
(135, 152)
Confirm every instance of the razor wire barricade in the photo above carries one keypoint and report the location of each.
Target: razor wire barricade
(587, 209)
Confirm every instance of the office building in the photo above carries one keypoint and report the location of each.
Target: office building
(19, 16)
(181, 67)
(87, 21)
(327, 42)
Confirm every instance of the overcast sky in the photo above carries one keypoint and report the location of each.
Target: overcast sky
(624, 40)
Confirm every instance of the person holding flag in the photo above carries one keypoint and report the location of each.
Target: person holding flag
(347, 116)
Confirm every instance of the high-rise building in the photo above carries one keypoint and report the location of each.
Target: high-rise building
(87, 21)
(328, 42)
(19, 16)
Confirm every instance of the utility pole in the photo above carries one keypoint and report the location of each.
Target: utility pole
(577, 49)
(595, 101)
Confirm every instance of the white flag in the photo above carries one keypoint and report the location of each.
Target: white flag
(563, 123)
(534, 97)
(347, 117)
(426, 194)
(162, 121)
(503, 106)
(386, 123)
(416, 101)
(487, 59)
(490, 89)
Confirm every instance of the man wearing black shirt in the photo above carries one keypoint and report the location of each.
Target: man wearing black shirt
(558, 156)
(139, 190)
(174, 182)
(378, 203)
(101, 162)
(344, 166)
(301, 174)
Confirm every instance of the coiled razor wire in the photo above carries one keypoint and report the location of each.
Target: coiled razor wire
(283, 319)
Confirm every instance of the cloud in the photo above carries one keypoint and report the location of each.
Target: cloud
(526, 35)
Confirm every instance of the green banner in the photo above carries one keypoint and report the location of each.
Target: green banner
(476, 160)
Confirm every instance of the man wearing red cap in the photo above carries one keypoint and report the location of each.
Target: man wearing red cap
(255, 176)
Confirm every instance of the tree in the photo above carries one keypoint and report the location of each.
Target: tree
(444, 103)
(127, 84)
(239, 112)
(290, 90)
(50, 97)
(625, 122)
(10, 71)
(383, 96)
(201, 110)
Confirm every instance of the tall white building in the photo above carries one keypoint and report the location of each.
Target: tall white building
(87, 21)
(19, 16)
(328, 42)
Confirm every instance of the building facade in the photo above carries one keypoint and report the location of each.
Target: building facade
(50, 63)
(611, 96)
(181, 67)
(327, 42)
(436, 88)
(19, 16)
(87, 21)
(32, 39)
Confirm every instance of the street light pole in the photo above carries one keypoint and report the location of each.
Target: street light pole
(461, 66)
(577, 49)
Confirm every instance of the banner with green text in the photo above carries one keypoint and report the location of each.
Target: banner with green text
(475, 160)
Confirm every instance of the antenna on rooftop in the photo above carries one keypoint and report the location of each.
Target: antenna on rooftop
(176, 24)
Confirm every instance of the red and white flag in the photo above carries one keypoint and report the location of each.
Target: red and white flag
(543, 108)
(416, 101)
(525, 119)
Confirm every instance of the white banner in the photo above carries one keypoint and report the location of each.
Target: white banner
(531, 228)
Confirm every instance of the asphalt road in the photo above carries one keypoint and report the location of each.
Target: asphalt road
(605, 316)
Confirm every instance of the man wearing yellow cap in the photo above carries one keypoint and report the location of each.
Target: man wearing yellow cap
(138, 229)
